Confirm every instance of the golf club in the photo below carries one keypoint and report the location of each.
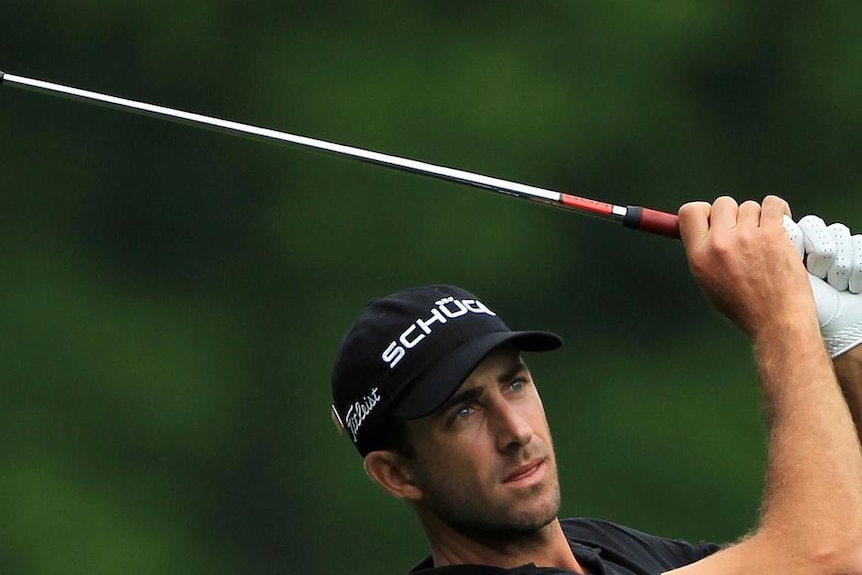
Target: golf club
(636, 217)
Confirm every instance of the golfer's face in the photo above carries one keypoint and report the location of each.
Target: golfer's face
(484, 459)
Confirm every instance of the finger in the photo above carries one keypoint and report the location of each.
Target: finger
(855, 281)
(694, 223)
(838, 275)
(819, 245)
(795, 234)
(772, 211)
(749, 214)
(724, 213)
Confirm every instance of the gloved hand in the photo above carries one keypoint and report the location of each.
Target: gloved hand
(834, 261)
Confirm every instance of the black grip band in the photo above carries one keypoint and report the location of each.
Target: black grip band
(1, 77)
(633, 217)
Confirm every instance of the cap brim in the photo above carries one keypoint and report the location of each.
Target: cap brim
(435, 386)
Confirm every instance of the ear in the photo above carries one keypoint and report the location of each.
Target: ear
(393, 472)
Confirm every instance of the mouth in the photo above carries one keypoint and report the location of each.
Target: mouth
(525, 472)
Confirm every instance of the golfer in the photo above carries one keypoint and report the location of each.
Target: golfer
(431, 387)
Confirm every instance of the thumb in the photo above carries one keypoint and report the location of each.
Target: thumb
(794, 232)
(826, 298)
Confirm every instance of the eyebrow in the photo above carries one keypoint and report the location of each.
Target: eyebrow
(466, 395)
(518, 367)
(477, 392)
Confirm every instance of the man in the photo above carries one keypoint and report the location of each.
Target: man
(430, 386)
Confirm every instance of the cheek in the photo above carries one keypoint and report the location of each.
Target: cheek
(539, 419)
(464, 460)
(541, 425)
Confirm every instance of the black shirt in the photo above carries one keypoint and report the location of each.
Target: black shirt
(602, 548)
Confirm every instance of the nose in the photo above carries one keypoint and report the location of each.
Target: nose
(512, 428)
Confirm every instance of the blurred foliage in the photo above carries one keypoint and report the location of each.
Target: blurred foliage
(172, 298)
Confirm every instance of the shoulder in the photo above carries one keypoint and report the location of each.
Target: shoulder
(620, 544)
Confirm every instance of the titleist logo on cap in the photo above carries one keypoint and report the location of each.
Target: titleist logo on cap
(446, 309)
(360, 410)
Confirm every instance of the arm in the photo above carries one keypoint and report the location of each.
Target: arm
(833, 258)
(848, 368)
(811, 516)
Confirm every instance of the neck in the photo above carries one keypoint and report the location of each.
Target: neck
(547, 547)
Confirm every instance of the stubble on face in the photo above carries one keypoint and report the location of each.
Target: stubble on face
(465, 507)
(466, 479)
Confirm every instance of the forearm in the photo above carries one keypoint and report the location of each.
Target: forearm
(813, 493)
(848, 368)
(811, 515)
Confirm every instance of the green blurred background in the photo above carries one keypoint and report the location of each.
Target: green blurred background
(172, 298)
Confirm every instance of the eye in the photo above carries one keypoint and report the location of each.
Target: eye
(464, 412)
(517, 385)
(460, 415)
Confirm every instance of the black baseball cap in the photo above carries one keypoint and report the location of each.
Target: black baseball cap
(408, 352)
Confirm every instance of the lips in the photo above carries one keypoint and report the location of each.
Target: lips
(525, 471)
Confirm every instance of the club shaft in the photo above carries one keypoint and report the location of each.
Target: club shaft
(632, 216)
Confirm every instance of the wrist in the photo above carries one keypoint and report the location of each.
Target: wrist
(789, 330)
(792, 342)
(841, 344)
(848, 366)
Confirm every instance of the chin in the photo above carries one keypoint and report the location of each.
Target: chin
(542, 517)
(534, 515)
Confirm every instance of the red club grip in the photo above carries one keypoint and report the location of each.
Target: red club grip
(652, 221)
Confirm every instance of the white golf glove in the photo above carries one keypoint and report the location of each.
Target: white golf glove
(834, 261)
